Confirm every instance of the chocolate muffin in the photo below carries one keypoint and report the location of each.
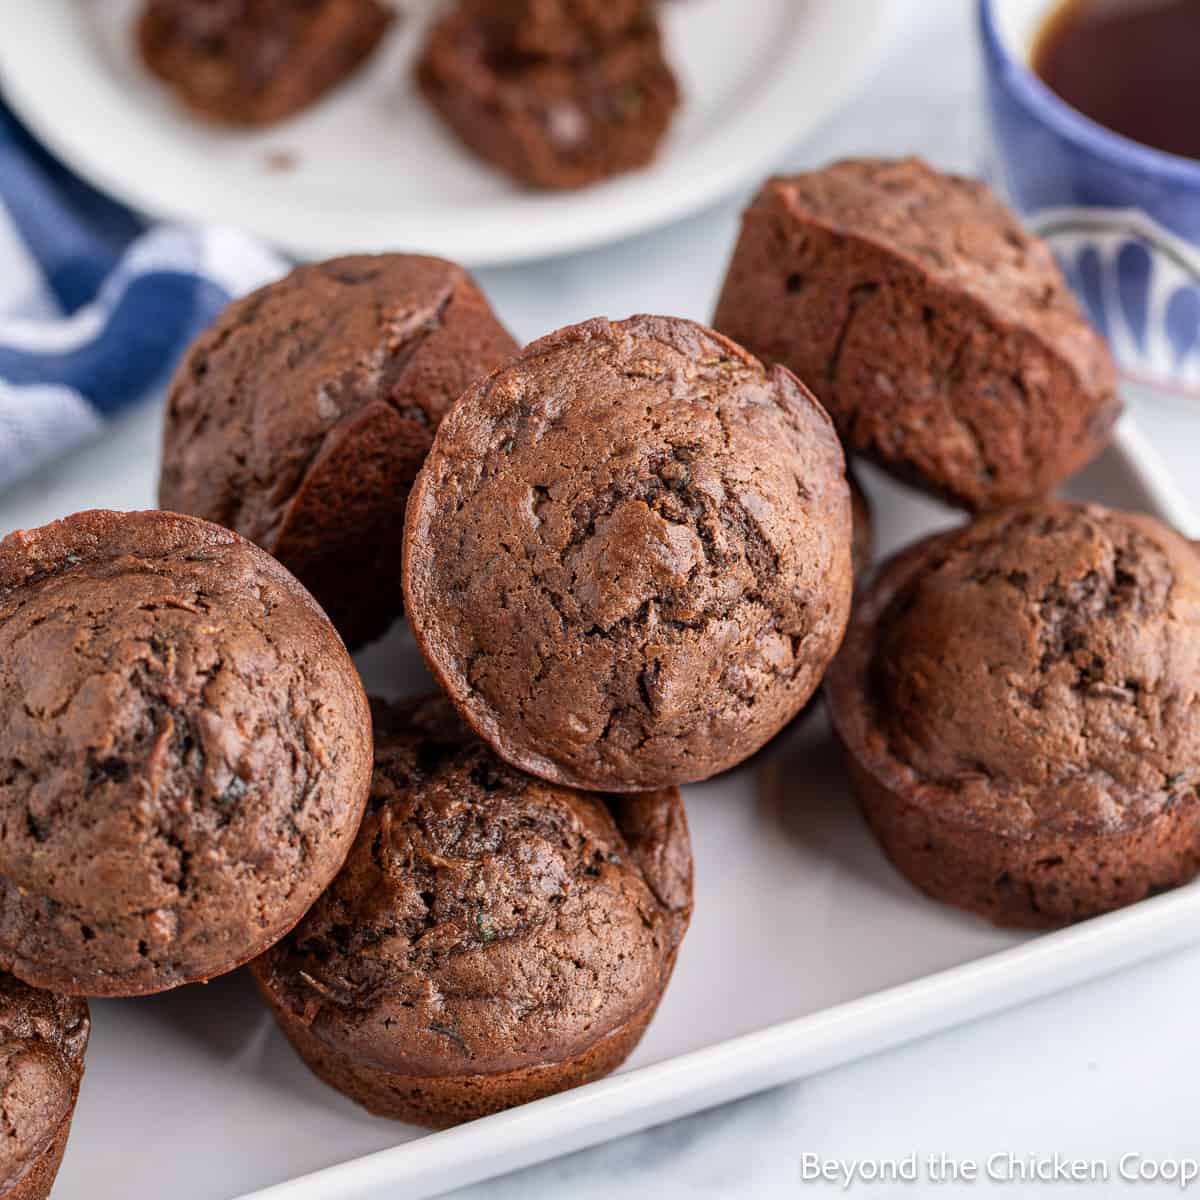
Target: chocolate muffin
(185, 754)
(42, 1042)
(560, 119)
(302, 416)
(491, 940)
(1019, 702)
(254, 62)
(627, 557)
(940, 335)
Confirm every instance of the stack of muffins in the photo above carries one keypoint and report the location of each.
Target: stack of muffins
(628, 555)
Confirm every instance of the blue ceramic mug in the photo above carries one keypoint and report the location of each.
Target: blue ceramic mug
(1123, 218)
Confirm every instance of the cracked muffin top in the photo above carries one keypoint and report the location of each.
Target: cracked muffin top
(185, 755)
(955, 229)
(627, 558)
(1036, 671)
(301, 417)
(942, 336)
(43, 1037)
(485, 921)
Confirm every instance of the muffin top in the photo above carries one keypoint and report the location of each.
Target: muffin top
(43, 1037)
(627, 558)
(284, 371)
(187, 752)
(485, 921)
(960, 236)
(1036, 671)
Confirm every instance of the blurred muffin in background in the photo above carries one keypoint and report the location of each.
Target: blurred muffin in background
(556, 93)
(255, 62)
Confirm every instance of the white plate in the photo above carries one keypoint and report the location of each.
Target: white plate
(375, 170)
(806, 950)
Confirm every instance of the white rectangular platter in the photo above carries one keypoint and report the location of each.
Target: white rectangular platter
(806, 950)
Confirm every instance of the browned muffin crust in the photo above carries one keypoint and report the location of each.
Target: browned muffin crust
(940, 335)
(550, 122)
(185, 756)
(301, 417)
(43, 1037)
(491, 939)
(1019, 702)
(255, 62)
(627, 558)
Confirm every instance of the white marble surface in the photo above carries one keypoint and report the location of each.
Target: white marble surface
(1098, 1072)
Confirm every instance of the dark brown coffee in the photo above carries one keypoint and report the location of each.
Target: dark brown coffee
(1132, 65)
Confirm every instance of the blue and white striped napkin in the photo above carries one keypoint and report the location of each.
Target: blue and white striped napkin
(96, 304)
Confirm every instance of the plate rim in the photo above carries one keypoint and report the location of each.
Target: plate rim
(727, 1070)
(535, 225)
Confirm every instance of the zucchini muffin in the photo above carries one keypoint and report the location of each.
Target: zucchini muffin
(185, 756)
(1019, 703)
(492, 939)
(628, 556)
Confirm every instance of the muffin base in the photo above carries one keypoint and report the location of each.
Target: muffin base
(38, 1177)
(1044, 883)
(441, 1101)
